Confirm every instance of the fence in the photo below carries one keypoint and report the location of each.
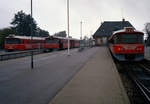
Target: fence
(14, 55)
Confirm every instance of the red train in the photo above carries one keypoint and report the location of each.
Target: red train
(49, 43)
(53, 42)
(127, 44)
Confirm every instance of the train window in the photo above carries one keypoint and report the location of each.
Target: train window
(55, 40)
(52, 41)
(117, 39)
(128, 38)
(22, 41)
(66, 41)
(13, 41)
(140, 38)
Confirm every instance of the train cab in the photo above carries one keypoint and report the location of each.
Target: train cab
(127, 44)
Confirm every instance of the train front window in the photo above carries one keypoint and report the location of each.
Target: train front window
(128, 39)
(131, 38)
(13, 41)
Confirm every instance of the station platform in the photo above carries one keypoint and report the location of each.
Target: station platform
(98, 82)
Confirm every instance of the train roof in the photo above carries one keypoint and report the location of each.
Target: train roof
(62, 38)
(126, 30)
(25, 37)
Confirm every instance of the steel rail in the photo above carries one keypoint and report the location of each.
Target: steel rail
(145, 91)
(144, 67)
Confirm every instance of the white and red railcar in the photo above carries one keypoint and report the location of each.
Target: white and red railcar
(127, 44)
(51, 43)
(54, 42)
(74, 43)
(13, 42)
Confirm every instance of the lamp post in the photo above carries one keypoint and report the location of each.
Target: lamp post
(31, 39)
(81, 42)
(38, 32)
(81, 29)
(68, 24)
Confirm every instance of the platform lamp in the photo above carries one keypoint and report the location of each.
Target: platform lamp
(81, 29)
(32, 66)
(68, 27)
(81, 42)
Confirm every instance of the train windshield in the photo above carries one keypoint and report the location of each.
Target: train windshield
(129, 39)
(12, 41)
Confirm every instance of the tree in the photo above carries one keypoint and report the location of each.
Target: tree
(22, 24)
(86, 38)
(61, 34)
(4, 33)
(147, 30)
(42, 33)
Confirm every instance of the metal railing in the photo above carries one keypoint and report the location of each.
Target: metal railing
(14, 55)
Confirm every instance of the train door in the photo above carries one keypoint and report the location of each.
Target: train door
(60, 44)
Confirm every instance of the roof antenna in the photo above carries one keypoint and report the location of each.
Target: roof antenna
(123, 19)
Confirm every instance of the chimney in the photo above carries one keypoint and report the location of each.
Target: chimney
(123, 20)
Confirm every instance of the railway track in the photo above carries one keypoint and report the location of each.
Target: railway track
(139, 73)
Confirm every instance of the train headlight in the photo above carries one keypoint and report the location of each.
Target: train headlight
(139, 49)
(120, 49)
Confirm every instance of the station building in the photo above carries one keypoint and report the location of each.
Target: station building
(107, 28)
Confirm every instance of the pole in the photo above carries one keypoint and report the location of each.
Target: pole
(38, 31)
(81, 42)
(68, 26)
(81, 29)
(31, 40)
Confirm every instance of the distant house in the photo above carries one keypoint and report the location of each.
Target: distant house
(106, 29)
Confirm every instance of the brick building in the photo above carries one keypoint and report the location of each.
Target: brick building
(105, 30)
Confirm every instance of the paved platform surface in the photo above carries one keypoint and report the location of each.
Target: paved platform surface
(19, 84)
(98, 82)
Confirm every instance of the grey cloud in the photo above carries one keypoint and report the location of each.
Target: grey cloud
(51, 15)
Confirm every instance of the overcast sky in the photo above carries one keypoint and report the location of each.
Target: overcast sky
(51, 14)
